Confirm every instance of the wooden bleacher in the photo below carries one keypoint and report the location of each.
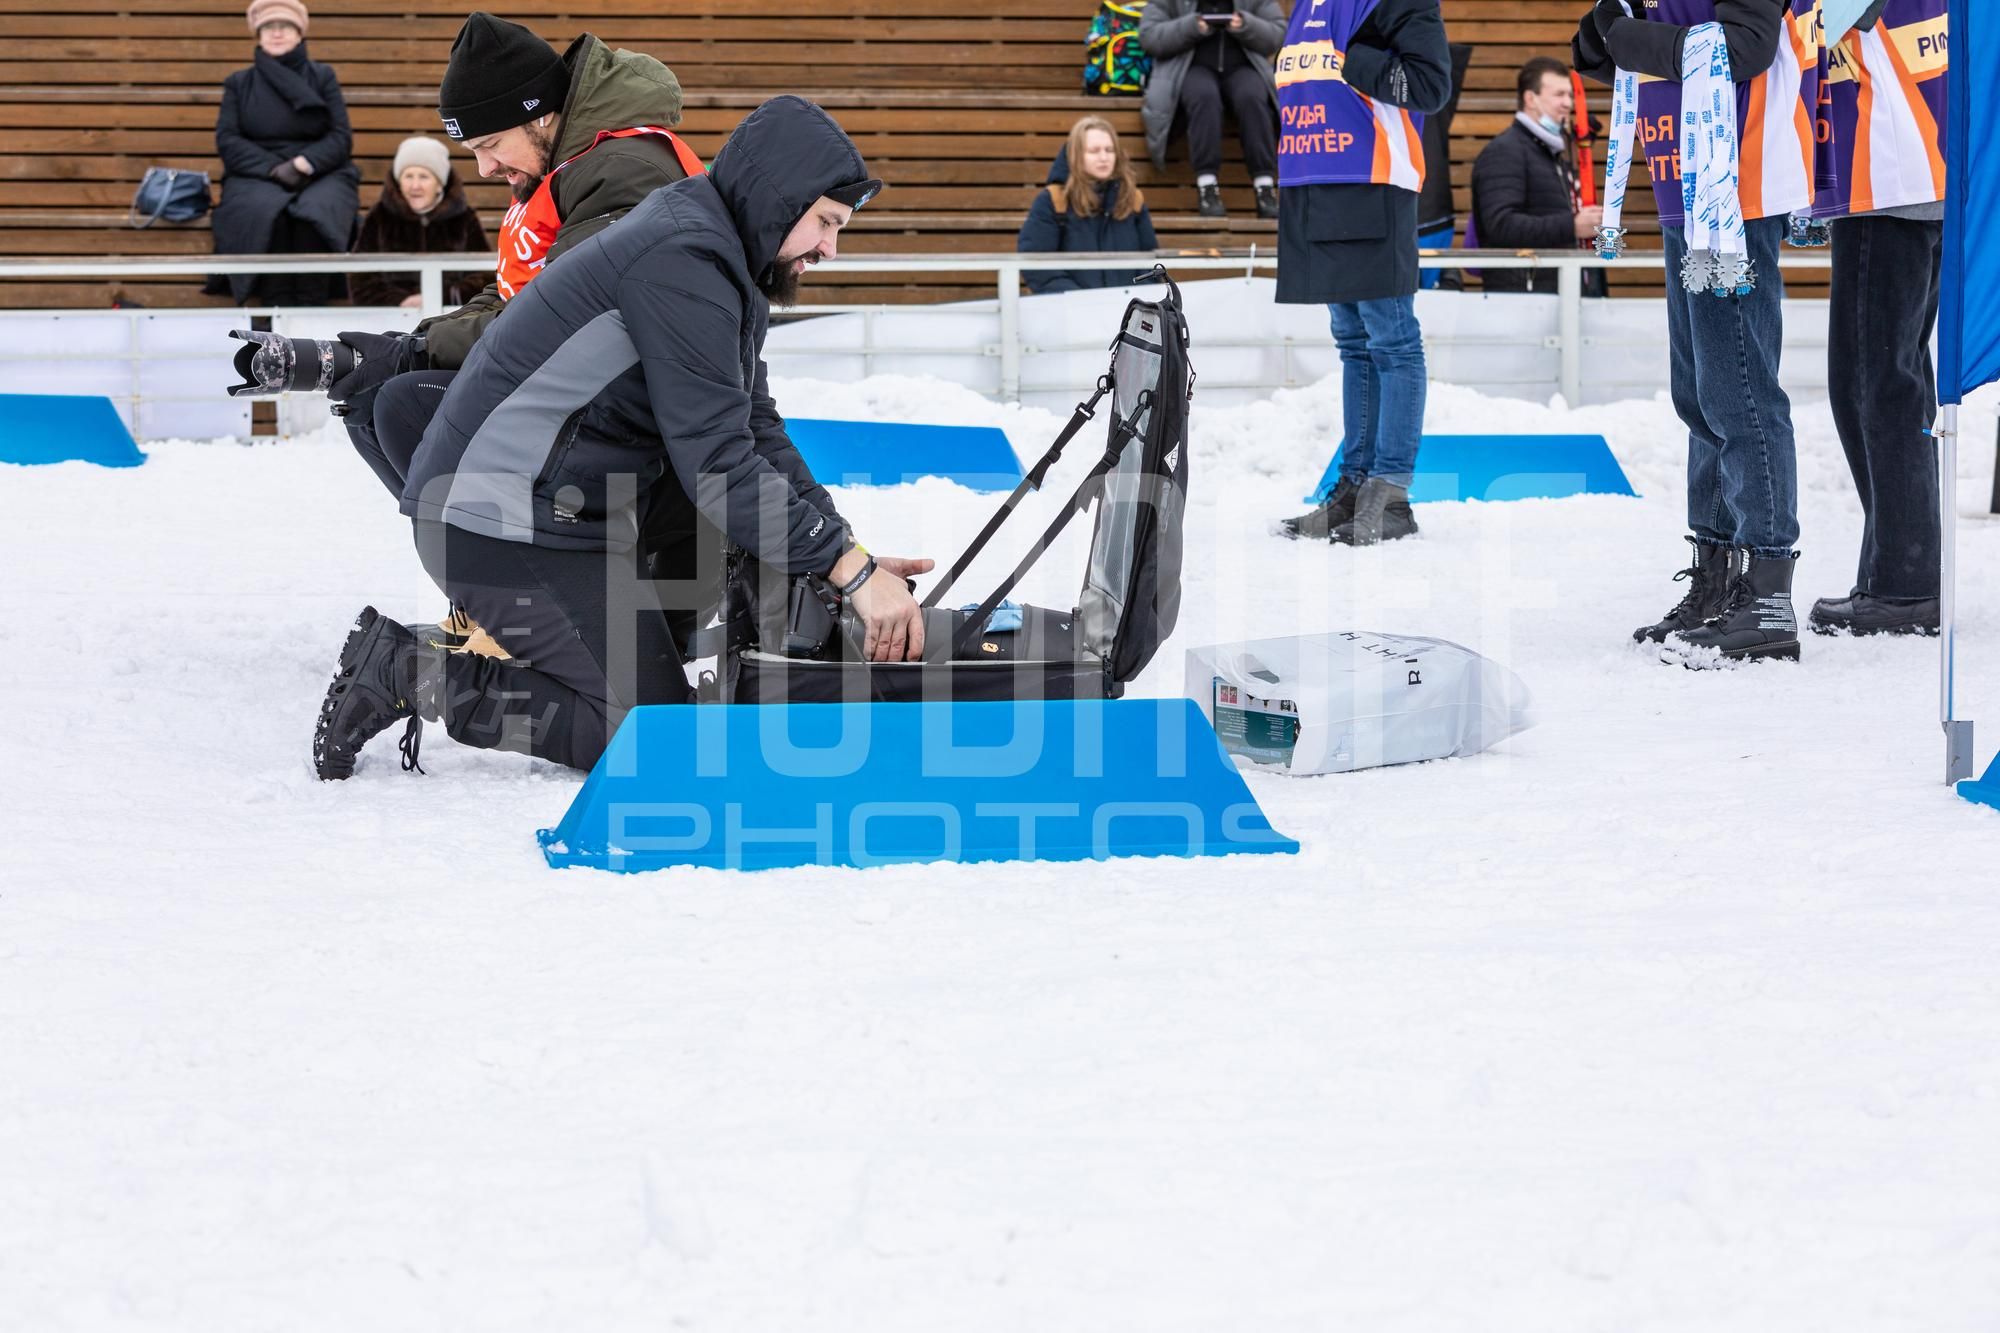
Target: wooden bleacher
(961, 115)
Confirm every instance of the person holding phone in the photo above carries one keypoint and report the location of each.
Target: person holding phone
(1208, 54)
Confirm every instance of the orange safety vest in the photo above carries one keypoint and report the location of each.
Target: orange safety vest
(530, 227)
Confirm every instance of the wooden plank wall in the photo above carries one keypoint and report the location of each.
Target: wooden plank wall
(960, 113)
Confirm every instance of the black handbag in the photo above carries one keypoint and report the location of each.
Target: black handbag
(169, 194)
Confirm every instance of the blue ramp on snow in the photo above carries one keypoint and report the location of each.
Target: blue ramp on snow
(1984, 789)
(889, 453)
(750, 787)
(64, 428)
(1505, 467)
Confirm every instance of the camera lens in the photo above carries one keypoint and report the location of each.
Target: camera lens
(272, 364)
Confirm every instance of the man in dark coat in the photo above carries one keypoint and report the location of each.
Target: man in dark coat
(637, 360)
(289, 183)
(1525, 193)
(524, 112)
(1200, 65)
(1349, 172)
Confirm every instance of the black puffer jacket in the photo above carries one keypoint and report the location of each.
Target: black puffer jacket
(279, 108)
(639, 356)
(1521, 200)
(393, 227)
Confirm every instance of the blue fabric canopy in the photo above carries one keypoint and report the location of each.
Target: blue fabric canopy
(1969, 311)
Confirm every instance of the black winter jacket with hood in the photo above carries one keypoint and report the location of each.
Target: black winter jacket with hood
(640, 356)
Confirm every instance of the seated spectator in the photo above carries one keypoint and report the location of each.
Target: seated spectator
(1201, 61)
(289, 183)
(1099, 209)
(1525, 191)
(423, 210)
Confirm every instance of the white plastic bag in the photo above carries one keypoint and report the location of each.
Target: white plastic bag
(1332, 703)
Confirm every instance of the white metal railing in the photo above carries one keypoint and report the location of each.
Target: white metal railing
(1006, 268)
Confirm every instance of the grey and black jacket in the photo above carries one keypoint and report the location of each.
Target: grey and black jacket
(639, 357)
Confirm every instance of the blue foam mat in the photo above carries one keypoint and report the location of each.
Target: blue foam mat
(888, 453)
(747, 787)
(1984, 789)
(64, 428)
(1504, 467)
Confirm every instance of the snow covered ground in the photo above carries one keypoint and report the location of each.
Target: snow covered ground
(1679, 1011)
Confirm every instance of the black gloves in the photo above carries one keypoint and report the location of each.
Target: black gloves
(289, 176)
(381, 355)
(1607, 13)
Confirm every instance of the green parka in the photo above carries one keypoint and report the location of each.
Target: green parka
(608, 90)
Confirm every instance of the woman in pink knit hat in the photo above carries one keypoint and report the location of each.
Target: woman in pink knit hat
(289, 184)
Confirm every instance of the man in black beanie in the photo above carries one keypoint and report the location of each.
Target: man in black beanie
(581, 137)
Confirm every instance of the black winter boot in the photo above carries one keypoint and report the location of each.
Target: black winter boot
(1862, 613)
(1208, 202)
(1267, 201)
(1756, 620)
(1318, 524)
(1381, 514)
(1708, 584)
(384, 676)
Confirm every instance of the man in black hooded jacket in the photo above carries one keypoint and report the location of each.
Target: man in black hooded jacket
(638, 358)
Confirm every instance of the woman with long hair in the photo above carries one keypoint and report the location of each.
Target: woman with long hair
(1091, 204)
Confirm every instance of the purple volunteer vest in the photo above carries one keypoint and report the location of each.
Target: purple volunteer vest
(1328, 132)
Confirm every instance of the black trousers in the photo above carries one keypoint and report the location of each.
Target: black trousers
(1884, 304)
(1203, 94)
(387, 425)
(588, 636)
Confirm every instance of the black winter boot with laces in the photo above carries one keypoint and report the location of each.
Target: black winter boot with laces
(1756, 621)
(385, 675)
(1318, 524)
(1708, 580)
(1208, 202)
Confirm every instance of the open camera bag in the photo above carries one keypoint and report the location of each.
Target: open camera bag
(791, 640)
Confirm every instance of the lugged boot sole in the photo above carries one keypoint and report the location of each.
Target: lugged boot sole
(333, 767)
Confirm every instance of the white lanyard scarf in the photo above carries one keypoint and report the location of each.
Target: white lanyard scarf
(1718, 258)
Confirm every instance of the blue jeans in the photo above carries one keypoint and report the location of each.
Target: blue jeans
(1743, 477)
(1382, 387)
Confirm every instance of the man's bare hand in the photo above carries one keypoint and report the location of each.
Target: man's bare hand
(891, 621)
(1588, 220)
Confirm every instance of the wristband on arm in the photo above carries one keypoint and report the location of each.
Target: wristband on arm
(853, 585)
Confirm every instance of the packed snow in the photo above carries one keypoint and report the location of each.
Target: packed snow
(1678, 1011)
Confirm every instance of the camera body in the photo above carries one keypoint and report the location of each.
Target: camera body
(1215, 11)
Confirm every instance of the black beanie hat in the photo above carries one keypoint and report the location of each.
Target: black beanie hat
(501, 75)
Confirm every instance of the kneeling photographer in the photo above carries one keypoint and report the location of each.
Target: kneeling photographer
(635, 365)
